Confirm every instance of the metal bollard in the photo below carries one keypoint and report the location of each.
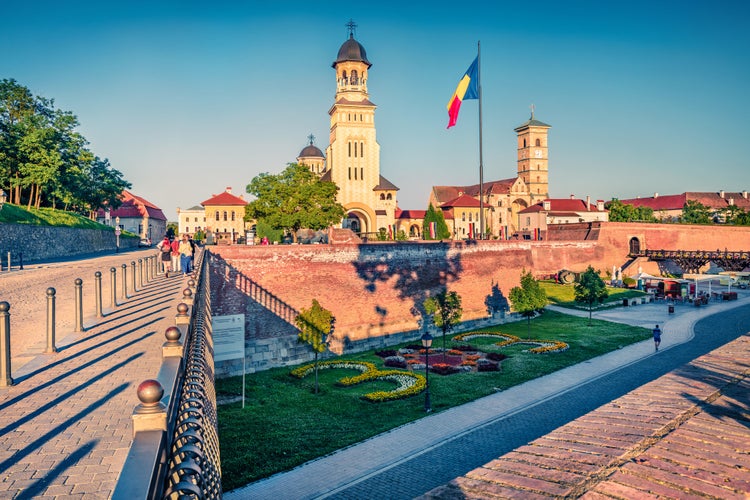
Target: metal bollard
(140, 273)
(135, 285)
(5, 378)
(51, 347)
(79, 305)
(98, 293)
(21, 261)
(147, 268)
(8, 261)
(113, 287)
(124, 281)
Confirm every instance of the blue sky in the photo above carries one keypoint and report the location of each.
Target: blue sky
(186, 98)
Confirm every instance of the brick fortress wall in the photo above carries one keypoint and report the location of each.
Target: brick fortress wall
(375, 289)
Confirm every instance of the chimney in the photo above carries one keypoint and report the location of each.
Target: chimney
(731, 201)
(744, 194)
(572, 197)
(229, 189)
(600, 205)
(588, 203)
(656, 195)
(721, 194)
(547, 205)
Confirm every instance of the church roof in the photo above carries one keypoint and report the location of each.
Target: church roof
(351, 50)
(461, 201)
(326, 177)
(311, 151)
(410, 214)
(532, 122)
(445, 193)
(385, 185)
(363, 102)
(562, 206)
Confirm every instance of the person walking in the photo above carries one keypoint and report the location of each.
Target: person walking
(165, 249)
(186, 254)
(657, 337)
(175, 255)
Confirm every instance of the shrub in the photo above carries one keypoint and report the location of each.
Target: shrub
(485, 365)
(465, 348)
(443, 369)
(386, 353)
(496, 356)
(395, 362)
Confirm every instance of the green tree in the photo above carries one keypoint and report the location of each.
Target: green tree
(695, 212)
(314, 325)
(445, 310)
(590, 289)
(622, 212)
(496, 301)
(529, 298)
(264, 229)
(294, 199)
(442, 232)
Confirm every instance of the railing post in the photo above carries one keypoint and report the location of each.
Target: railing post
(5, 378)
(151, 414)
(51, 347)
(147, 266)
(21, 262)
(98, 293)
(140, 273)
(124, 281)
(8, 261)
(172, 347)
(187, 296)
(182, 318)
(132, 267)
(79, 305)
(113, 287)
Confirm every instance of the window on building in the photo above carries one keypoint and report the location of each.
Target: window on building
(389, 197)
(225, 215)
(355, 174)
(361, 149)
(350, 173)
(217, 215)
(538, 142)
(355, 149)
(232, 215)
(469, 216)
(463, 216)
(355, 77)
(528, 221)
(362, 173)
(349, 145)
(382, 196)
(524, 143)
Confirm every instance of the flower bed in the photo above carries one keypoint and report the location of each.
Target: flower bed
(543, 346)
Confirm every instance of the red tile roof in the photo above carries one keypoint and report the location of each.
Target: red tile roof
(668, 202)
(445, 193)
(562, 205)
(134, 207)
(224, 198)
(461, 201)
(410, 214)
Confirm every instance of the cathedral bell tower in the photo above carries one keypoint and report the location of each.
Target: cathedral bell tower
(533, 157)
(353, 153)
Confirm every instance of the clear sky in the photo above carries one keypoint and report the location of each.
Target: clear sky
(187, 97)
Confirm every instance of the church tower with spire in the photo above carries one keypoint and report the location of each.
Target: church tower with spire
(353, 155)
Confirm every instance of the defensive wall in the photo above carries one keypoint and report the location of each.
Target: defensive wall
(38, 243)
(375, 290)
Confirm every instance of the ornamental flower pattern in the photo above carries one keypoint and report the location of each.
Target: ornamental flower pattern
(408, 383)
(544, 346)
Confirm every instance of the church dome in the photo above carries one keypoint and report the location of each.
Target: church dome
(352, 50)
(311, 151)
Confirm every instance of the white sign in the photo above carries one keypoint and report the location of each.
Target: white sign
(229, 336)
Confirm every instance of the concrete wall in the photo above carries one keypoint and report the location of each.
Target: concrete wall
(44, 242)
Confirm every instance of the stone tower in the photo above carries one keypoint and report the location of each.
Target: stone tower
(533, 159)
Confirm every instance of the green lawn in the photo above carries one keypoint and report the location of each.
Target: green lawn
(564, 295)
(285, 424)
(14, 214)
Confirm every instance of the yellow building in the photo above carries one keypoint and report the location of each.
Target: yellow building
(225, 215)
(191, 220)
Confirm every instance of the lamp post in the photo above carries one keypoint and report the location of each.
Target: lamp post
(117, 234)
(427, 343)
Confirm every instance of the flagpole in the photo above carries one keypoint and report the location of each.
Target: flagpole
(481, 165)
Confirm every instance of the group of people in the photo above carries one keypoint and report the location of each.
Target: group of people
(177, 255)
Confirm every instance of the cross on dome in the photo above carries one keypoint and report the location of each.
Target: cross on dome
(352, 26)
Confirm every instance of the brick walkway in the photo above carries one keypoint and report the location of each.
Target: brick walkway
(65, 425)
(684, 435)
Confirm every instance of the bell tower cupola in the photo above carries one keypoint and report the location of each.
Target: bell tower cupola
(351, 67)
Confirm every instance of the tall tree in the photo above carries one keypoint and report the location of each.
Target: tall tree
(442, 232)
(445, 310)
(294, 199)
(622, 212)
(529, 298)
(695, 212)
(314, 324)
(590, 289)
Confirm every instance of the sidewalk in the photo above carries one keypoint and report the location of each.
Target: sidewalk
(330, 475)
(65, 424)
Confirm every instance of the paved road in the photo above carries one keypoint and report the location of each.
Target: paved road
(65, 425)
(417, 457)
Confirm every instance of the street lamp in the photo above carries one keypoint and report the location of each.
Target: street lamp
(117, 234)
(427, 343)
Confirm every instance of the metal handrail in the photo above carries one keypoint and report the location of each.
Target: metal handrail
(175, 450)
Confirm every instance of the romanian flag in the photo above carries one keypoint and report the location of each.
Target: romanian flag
(468, 88)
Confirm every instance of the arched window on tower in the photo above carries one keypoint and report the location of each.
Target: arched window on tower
(538, 142)
(382, 196)
(344, 79)
(349, 144)
(389, 197)
(355, 77)
(217, 215)
(361, 149)
(225, 215)
(524, 143)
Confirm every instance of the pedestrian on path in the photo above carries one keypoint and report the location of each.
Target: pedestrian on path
(186, 254)
(657, 337)
(165, 248)
(175, 255)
